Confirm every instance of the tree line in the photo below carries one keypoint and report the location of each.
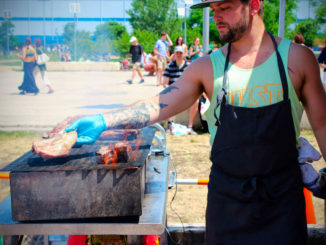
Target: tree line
(149, 18)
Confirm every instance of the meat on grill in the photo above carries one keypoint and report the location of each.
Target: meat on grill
(119, 134)
(61, 126)
(119, 152)
(57, 146)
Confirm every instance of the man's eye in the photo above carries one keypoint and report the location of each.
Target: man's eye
(225, 8)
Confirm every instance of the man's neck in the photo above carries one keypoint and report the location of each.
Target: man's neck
(253, 38)
(253, 48)
(180, 62)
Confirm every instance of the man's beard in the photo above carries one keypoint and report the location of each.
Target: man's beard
(235, 32)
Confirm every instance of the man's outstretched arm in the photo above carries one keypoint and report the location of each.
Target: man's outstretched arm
(171, 101)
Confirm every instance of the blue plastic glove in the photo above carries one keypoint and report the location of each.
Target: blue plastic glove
(88, 128)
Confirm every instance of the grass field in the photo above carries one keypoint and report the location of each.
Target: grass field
(190, 155)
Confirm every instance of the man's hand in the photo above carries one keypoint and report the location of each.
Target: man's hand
(88, 128)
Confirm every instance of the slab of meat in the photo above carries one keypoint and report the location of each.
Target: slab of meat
(57, 146)
(61, 126)
(119, 134)
(119, 152)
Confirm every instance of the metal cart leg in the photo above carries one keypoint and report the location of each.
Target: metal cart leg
(11, 240)
(46, 239)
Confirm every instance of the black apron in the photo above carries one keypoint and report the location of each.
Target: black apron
(255, 192)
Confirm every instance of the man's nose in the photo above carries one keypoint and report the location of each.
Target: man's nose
(217, 17)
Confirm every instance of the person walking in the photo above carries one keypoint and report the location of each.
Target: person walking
(28, 56)
(41, 68)
(258, 85)
(136, 51)
(161, 51)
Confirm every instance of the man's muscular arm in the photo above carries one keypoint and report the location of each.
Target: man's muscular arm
(312, 94)
(171, 101)
(174, 99)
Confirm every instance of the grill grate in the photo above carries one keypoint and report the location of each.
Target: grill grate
(85, 157)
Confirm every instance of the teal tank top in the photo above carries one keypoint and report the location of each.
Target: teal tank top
(256, 87)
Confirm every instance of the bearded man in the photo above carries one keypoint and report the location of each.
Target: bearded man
(258, 86)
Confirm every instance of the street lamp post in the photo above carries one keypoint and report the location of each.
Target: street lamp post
(7, 15)
(206, 30)
(75, 8)
(185, 28)
(75, 46)
(281, 19)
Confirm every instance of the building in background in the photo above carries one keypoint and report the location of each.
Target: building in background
(46, 18)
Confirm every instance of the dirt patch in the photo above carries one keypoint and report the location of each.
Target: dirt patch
(190, 155)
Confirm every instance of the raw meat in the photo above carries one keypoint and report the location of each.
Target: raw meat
(61, 126)
(119, 134)
(119, 152)
(57, 146)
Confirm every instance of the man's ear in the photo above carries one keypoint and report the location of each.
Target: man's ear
(254, 7)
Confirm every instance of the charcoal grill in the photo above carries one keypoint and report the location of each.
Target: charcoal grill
(77, 187)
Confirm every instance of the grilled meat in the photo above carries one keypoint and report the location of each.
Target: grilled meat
(57, 146)
(119, 152)
(61, 126)
(119, 134)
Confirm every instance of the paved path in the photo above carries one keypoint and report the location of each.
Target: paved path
(75, 93)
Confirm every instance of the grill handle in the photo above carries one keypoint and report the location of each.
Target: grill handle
(160, 138)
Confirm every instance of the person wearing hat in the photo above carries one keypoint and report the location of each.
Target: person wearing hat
(136, 51)
(258, 86)
(171, 74)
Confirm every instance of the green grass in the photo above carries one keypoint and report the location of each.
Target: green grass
(12, 63)
(4, 135)
(12, 57)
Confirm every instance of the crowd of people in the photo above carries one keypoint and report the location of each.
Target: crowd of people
(168, 61)
(32, 65)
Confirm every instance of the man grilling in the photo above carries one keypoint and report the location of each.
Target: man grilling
(258, 86)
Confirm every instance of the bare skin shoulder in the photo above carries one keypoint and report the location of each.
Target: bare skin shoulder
(305, 75)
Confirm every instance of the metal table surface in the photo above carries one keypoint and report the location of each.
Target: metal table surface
(152, 220)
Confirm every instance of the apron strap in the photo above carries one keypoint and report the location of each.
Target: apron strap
(221, 96)
(281, 69)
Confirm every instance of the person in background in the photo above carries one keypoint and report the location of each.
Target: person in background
(151, 64)
(194, 50)
(41, 68)
(322, 63)
(171, 74)
(28, 56)
(161, 52)
(136, 51)
(194, 53)
(298, 38)
(259, 86)
(179, 42)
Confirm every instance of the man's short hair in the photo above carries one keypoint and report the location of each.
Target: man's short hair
(163, 33)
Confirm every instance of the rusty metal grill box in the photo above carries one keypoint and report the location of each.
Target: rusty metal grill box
(77, 186)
